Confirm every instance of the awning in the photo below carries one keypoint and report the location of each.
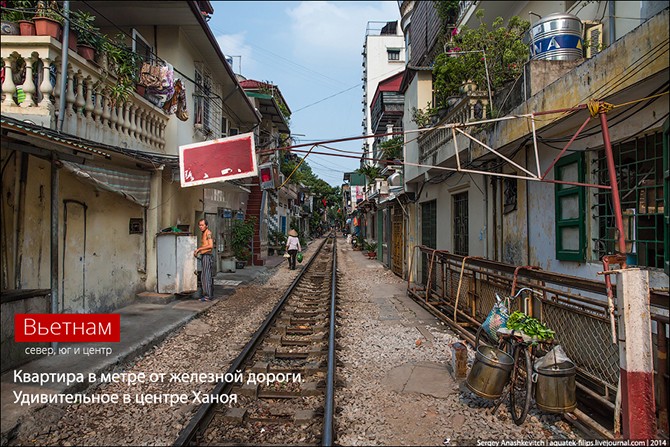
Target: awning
(134, 186)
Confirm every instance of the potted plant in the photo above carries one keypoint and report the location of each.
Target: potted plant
(48, 19)
(277, 242)
(125, 65)
(89, 39)
(19, 14)
(243, 233)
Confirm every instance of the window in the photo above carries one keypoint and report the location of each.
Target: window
(234, 131)
(510, 195)
(393, 54)
(142, 47)
(639, 165)
(570, 205)
(461, 224)
(206, 103)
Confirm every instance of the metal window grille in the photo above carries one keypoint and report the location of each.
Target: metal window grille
(639, 171)
(461, 224)
(510, 195)
(208, 116)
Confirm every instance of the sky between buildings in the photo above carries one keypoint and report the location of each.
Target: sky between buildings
(312, 51)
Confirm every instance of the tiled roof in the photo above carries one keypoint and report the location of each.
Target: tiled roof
(250, 83)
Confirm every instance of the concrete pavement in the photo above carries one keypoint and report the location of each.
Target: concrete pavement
(144, 324)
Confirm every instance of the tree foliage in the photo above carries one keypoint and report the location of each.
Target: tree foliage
(506, 53)
(370, 172)
(391, 149)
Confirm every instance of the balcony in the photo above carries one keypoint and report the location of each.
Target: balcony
(387, 109)
(434, 145)
(90, 113)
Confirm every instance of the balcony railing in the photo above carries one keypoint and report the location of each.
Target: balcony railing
(471, 107)
(89, 113)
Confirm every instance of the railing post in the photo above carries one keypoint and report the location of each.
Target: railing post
(28, 85)
(8, 87)
(636, 355)
(45, 87)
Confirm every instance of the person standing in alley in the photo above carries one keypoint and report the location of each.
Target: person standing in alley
(205, 253)
(292, 247)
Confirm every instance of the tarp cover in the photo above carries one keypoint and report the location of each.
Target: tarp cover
(133, 185)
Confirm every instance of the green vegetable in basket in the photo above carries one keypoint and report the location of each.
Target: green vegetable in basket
(530, 326)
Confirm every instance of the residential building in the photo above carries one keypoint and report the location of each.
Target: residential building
(506, 219)
(383, 56)
(84, 203)
(274, 133)
(522, 176)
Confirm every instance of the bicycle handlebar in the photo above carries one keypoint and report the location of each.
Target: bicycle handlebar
(498, 299)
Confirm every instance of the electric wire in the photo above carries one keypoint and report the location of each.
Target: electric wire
(222, 107)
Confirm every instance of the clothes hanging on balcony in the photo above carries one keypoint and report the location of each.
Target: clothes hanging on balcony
(177, 103)
(162, 89)
(150, 75)
(182, 112)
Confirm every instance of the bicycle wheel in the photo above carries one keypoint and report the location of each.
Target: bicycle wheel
(521, 385)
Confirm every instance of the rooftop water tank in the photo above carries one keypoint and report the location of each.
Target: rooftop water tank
(557, 37)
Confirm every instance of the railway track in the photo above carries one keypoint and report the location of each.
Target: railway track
(291, 363)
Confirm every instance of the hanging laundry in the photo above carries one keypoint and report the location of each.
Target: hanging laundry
(177, 103)
(182, 112)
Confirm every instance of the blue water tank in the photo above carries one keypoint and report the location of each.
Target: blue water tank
(557, 37)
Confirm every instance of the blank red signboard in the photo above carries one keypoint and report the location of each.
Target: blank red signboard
(217, 160)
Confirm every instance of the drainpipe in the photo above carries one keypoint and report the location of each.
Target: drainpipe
(64, 53)
(20, 220)
(527, 215)
(494, 193)
(54, 239)
(486, 218)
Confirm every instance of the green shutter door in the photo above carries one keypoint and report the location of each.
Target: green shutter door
(570, 204)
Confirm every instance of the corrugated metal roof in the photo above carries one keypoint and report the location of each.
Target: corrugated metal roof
(11, 123)
(83, 145)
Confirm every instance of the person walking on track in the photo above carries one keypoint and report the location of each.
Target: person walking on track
(292, 247)
(205, 252)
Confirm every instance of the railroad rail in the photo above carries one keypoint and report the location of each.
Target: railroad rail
(297, 339)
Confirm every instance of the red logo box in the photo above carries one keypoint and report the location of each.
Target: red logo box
(84, 328)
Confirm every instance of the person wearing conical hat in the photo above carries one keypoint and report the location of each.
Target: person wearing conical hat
(292, 247)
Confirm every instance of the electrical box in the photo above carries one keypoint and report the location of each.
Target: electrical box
(175, 263)
(268, 174)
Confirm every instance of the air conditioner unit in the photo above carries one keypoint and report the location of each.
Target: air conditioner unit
(594, 34)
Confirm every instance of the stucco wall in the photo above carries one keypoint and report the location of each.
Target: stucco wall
(112, 258)
(100, 263)
(443, 193)
(418, 94)
(13, 353)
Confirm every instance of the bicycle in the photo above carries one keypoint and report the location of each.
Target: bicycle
(520, 347)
